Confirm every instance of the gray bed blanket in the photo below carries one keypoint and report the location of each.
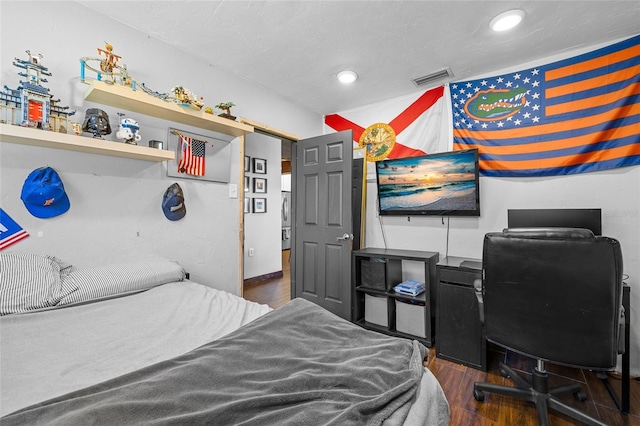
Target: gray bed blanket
(297, 365)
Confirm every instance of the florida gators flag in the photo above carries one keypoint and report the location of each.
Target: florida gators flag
(10, 231)
(573, 116)
(401, 127)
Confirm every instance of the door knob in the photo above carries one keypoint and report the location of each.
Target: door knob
(345, 237)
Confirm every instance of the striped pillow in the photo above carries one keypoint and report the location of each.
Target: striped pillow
(31, 281)
(108, 280)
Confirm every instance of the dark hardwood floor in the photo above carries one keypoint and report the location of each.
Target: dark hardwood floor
(275, 292)
(457, 380)
(457, 383)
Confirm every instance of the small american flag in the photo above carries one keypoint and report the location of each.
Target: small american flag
(192, 159)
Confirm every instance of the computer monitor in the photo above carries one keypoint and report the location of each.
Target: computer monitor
(556, 218)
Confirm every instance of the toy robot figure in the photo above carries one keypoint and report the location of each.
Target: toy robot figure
(96, 122)
(128, 130)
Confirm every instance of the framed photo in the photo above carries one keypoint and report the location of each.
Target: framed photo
(247, 163)
(260, 166)
(247, 183)
(247, 205)
(259, 185)
(259, 205)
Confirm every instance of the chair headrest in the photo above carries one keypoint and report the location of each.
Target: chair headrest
(550, 233)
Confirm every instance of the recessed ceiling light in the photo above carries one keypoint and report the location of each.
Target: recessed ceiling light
(507, 20)
(347, 77)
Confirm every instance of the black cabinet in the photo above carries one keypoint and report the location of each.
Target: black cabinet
(460, 334)
(377, 307)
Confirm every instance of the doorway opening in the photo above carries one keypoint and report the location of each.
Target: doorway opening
(270, 284)
(336, 168)
(274, 292)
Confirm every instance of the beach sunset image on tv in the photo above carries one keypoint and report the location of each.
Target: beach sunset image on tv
(444, 183)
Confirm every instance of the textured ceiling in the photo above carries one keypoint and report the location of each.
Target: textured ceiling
(295, 48)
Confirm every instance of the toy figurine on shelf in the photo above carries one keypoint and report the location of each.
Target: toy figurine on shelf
(226, 106)
(128, 130)
(76, 127)
(186, 98)
(96, 122)
(109, 69)
(31, 104)
(109, 63)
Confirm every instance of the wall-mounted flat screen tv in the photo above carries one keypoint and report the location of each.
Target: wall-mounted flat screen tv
(443, 184)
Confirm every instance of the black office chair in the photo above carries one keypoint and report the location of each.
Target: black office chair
(555, 295)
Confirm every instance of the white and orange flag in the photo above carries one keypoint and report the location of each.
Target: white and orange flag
(401, 127)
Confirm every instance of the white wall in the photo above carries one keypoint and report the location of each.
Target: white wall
(115, 203)
(616, 192)
(262, 230)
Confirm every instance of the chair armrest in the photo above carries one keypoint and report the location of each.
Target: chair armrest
(477, 285)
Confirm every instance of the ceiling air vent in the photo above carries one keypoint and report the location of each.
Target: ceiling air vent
(435, 76)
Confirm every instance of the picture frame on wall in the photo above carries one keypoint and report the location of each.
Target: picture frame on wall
(247, 205)
(259, 185)
(259, 205)
(260, 166)
(247, 163)
(247, 183)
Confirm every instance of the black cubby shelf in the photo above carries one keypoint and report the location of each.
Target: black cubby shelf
(382, 269)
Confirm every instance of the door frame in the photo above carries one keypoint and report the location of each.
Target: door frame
(269, 131)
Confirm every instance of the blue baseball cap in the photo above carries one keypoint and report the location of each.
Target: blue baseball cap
(173, 203)
(43, 194)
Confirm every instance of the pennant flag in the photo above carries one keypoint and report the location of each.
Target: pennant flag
(573, 116)
(192, 156)
(10, 231)
(402, 127)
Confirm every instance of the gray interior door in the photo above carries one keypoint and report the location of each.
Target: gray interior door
(321, 259)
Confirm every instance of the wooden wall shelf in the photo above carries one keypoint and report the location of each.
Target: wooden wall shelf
(132, 100)
(124, 97)
(29, 136)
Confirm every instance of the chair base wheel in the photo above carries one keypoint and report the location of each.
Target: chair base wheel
(580, 396)
(503, 372)
(478, 395)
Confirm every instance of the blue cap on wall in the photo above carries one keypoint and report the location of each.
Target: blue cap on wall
(43, 193)
(173, 203)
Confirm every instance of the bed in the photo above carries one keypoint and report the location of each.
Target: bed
(137, 343)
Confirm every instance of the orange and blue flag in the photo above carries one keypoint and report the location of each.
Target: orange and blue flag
(10, 231)
(577, 115)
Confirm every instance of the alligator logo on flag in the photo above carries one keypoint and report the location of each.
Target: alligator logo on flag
(577, 115)
(401, 127)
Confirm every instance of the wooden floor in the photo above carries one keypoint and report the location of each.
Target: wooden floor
(457, 383)
(457, 380)
(275, 292)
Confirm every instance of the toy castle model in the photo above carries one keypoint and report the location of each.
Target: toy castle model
(31, 104)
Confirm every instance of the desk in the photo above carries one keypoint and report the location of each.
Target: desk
(622, 401)
(459, 333)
